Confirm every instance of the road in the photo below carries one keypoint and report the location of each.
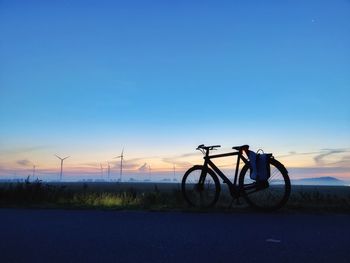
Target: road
(125, 236)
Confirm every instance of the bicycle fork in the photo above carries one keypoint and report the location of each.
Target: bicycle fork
(201, 180)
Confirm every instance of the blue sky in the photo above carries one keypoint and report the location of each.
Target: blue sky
(88, 77)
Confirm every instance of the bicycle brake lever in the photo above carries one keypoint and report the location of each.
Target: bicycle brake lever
(199, 146)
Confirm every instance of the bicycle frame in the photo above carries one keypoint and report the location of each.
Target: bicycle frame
(204, 192)
(208, 163)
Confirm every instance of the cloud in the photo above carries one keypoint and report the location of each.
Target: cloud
(294, 153)
(127, 165)
(143, 168)
(188, 155)
(24, 149)
(343, 162)
(180, 164)
(304, 172)
(319, 159)
(23, 162)
(328, 156)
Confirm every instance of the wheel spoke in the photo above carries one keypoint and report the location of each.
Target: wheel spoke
(271, 196)
(200, 192)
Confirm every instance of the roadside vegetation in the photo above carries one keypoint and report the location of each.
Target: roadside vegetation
(39, 194)
(36, 194)
(321, 198)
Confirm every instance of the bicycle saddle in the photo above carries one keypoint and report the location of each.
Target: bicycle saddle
(243, 147)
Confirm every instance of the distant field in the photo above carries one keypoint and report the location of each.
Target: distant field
(160, 196)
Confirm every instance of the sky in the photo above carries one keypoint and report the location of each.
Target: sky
(87, 78)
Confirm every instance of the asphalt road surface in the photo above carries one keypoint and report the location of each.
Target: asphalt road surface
(124, 236)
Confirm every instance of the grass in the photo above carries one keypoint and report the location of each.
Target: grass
(38, 194)
(154, 197)
(326, 199)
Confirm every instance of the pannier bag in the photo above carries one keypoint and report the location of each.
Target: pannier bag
(260, 165)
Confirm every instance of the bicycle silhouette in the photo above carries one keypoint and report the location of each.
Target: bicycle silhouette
(201, 187)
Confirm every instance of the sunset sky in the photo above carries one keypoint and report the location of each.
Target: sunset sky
(87, 78)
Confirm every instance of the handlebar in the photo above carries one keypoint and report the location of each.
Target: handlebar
(212, 147)
(205, 149)
(202, 147)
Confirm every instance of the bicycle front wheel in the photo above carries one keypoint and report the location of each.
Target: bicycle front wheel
(202, 194)
(270, 195)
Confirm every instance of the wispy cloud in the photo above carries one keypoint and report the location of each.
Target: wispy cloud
(143, 168)
(305, 172)
(178, 163)
(23, 162)
(91, 164)
(16, 150)
(188, 155)
(320, 158)
(127, 165)
(178, 159)
(294, 153)
(325, 157)
(344, 162)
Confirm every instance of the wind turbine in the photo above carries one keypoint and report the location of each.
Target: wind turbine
(101, 170)
(34, 171)
(108, 171)
(121, 156)
(62, 159)
(174, 172)
(149, 171)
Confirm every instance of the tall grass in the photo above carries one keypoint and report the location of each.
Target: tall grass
(39, 194)
(314, 199)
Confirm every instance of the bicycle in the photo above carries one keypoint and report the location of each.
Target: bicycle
(201, 187)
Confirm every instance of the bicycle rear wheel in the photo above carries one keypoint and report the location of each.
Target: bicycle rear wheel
(200, 195)
(267, 196)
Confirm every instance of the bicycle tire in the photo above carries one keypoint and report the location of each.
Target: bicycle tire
(262, 199)
(192, 192)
